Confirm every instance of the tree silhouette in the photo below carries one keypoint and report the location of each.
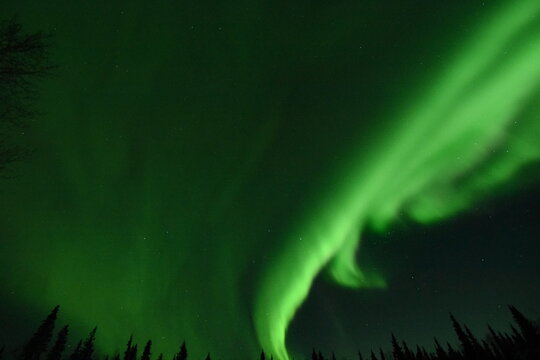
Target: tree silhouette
(407, 351)
(182, 354)
(518, 343)
(397, 351)
(134, 352)
(464, 339)
(452, 353)
(23, 60)
(529, 332)
(40, 340)
(475, 344)
(76, 354)
(419, 353)
(131, 350)
(59, 345)
(439, 351)
(87, 349)
(147, 351)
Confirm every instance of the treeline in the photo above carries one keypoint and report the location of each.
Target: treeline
(522, 342)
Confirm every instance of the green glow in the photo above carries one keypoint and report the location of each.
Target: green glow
(180, 189)
(473, 130)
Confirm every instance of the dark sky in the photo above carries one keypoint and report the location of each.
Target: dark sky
(205, 172)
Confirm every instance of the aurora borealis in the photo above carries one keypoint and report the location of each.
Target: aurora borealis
(434, 165)
(202, 170)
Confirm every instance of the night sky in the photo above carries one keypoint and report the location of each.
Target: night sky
(276, 174)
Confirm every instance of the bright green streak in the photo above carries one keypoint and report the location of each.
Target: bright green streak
(475, 129)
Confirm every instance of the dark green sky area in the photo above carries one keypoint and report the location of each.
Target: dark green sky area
(200, 167)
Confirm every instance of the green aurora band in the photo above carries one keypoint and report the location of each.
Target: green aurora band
(476, 128)
(169, 199)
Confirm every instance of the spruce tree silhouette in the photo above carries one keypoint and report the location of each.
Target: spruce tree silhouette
(397, 351)
(487, 350)
(439, 351)
(59, 345)
(134, 352)
(529, 332)
(452, 353)
(492, 340)
(499, 344)
(527, 339)
(76, 354)
(519, 343)
(131, 350)
(476, 347)
(407, 351)
(182, 354)
(87, 349)
(40, 340)
(516, 335)
(147, 352)
(466, 344)
(419, 354)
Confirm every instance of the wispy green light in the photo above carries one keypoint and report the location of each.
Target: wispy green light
(470, 133)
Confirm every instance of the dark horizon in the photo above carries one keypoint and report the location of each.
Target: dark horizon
(522, 342)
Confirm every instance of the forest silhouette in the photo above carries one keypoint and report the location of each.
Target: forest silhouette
(521, 342)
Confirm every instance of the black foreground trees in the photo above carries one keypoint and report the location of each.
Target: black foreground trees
(522, 342)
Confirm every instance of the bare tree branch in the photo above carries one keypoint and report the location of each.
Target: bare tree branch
(24, 60)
